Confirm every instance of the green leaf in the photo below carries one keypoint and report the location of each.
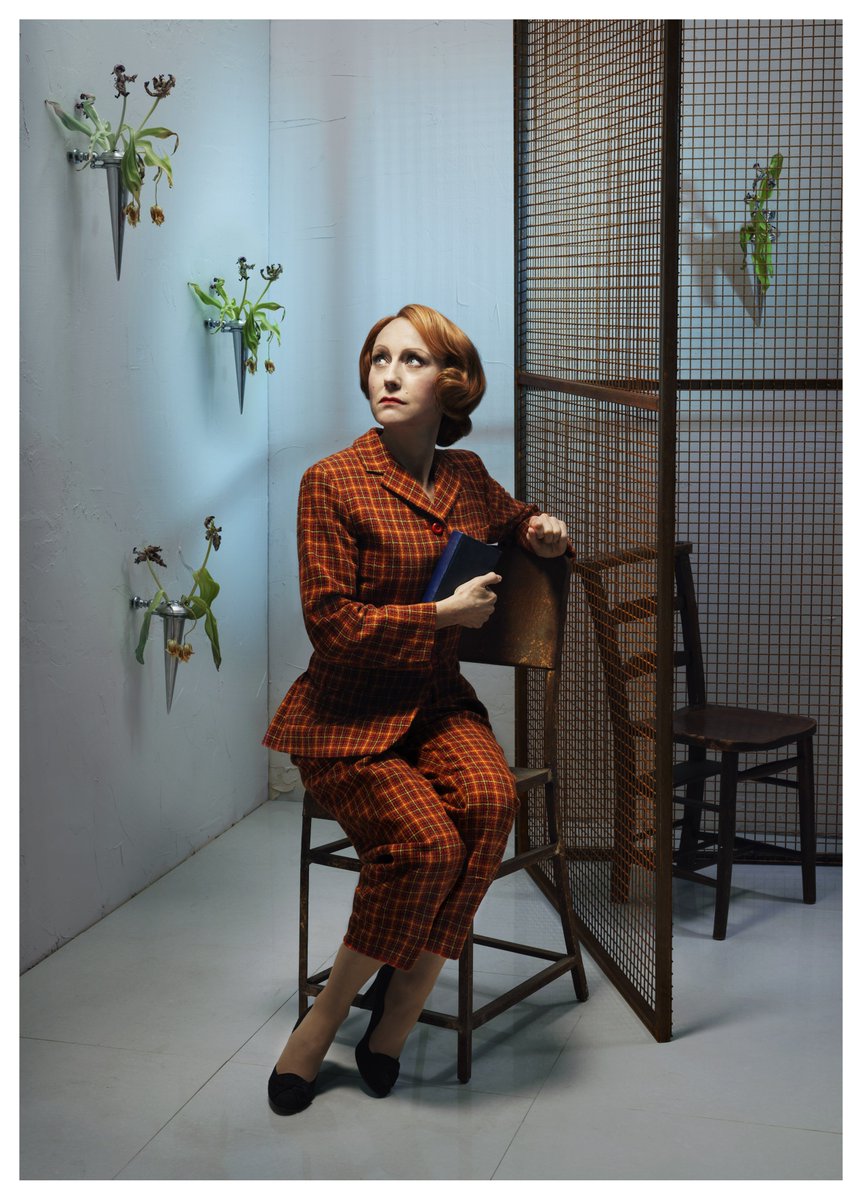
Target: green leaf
(205, 297)
(201, 609)
(270, 305)
(130, 169)
(70, 122)
(159, 131)
(251, 335)
(208, 586)
(152, 159)
(145, 626)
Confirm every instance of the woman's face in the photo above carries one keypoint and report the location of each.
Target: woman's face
(401, 379)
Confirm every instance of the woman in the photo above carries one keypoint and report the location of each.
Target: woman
(387, 734)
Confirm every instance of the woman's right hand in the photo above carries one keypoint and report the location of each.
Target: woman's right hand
(471, 604)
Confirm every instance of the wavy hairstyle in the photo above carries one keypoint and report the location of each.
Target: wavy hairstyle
(460, 385)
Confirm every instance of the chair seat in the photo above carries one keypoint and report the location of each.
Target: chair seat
(716, 727)
(526, 778)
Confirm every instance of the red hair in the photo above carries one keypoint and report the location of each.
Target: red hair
(460, 385)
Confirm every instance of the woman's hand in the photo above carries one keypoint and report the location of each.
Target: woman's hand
(471, 603)
(547, 536)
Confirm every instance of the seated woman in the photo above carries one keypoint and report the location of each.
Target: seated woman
(387, 734)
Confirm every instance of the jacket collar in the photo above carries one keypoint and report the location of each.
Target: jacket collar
(378, 461)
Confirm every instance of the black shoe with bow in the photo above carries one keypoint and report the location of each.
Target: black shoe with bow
(289, 1093)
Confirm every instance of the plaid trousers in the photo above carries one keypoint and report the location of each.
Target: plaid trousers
(429, 819)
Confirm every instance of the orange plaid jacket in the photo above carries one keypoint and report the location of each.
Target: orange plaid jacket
(369, 539)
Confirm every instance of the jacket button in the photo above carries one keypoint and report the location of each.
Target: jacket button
(437, 527)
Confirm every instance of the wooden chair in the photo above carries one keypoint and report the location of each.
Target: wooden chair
(526, 630)
(706, 729)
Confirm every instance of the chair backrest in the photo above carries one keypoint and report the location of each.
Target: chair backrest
(628, 611)
(527, 627)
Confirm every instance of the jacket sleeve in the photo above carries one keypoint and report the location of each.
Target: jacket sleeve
(507, 517)
(341, 628)
(510, 517)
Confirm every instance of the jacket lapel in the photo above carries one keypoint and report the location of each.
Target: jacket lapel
(379, 462)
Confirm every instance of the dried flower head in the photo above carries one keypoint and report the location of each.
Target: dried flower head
(162, 85)
(245, 268)
(121, 79)
(213, 532)
(149, 554)
(269, 366)
(250, 366)
(272, 272)
(132, 213)
(158, 217)
(175, 650)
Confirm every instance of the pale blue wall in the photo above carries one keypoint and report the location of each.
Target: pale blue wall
(391, 183)
(131, 433)
(385, 176)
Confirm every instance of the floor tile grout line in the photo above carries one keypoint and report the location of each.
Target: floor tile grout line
(532, 1102)
(172, 1117)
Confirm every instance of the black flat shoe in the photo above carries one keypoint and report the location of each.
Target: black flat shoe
(378, 1070)
(289, 1094)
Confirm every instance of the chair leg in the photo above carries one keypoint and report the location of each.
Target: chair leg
(690, 829)
(726, 839)
(564, 891)
(465, 1011)
(807, 820)
(305, 846)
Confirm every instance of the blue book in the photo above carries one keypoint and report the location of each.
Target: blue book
(463, 558)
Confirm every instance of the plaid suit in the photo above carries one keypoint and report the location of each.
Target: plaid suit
(387, 734)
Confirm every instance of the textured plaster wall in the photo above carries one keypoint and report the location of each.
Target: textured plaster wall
(390, 183)
(131, 433)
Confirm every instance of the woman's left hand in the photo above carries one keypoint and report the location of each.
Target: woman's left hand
(547, 536)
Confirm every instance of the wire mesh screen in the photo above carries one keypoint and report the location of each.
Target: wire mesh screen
(589, 99)
(758, 485)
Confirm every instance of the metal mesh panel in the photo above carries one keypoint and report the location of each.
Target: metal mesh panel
(758, 486)
(589, 97)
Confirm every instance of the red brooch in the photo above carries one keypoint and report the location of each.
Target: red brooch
(437, 527)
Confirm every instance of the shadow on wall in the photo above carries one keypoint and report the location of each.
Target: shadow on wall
(714, 253)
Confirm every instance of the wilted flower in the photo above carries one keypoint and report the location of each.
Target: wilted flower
(132, 213)
(213, 532)
(162, 85)
(158, 217)
(254, 317)
(182, 652)
(198, 602)
(149, 554)
(121, 79)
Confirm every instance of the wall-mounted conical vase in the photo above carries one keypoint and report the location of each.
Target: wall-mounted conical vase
(240, 351)
(118, 196)
(174, 617)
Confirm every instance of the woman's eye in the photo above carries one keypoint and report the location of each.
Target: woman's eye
(416, 360)
(377, 359)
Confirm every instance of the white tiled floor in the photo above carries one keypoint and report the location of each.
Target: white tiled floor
(147, 1042)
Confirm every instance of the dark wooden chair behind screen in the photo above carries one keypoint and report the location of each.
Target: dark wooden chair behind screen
(526, 630)
(707, 730)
